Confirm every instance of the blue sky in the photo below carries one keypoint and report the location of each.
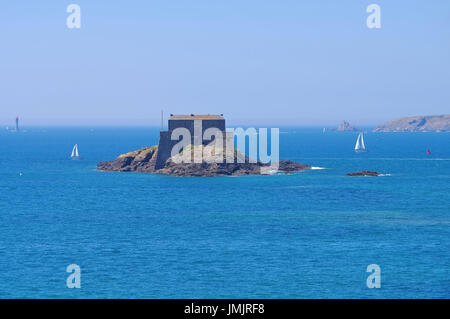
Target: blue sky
(283, 62)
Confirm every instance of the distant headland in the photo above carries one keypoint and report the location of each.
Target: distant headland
(432, 123)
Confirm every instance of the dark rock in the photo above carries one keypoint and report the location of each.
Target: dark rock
(290, 166)
(144, 160)
(364, 173)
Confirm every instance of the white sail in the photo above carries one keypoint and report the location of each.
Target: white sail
(360, 146)
(75, 151)
(358, 142)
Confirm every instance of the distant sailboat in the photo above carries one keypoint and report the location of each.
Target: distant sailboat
(75, 154)
(428, 151)
(360, 146)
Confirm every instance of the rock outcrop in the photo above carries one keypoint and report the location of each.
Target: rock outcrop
(436, 123)
(364, 173)
(143, 160)
(346, 127)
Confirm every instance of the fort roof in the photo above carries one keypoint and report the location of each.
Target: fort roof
(196, 117)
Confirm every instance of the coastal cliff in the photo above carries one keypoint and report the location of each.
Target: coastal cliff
(434, 123)
(144, 160)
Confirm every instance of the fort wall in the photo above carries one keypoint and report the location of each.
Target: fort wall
(166, 144)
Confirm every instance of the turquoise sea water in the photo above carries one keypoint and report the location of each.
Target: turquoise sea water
(307, 235)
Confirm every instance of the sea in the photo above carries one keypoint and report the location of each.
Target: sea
(312, 234)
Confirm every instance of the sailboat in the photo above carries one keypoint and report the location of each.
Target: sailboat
(360, 146)
(75, 154)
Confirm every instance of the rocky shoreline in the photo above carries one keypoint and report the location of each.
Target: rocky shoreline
(144, 160)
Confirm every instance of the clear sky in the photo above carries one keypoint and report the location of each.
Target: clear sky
(273, 62)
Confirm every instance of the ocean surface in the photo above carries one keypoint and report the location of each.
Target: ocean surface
(306, 235)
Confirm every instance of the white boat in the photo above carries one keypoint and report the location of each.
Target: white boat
(75, 154)
(360, 146)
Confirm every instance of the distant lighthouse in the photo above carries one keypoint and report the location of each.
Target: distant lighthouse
(17, 124)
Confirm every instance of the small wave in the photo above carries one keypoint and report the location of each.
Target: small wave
(385, 175)
(317, 167)
(271, 172)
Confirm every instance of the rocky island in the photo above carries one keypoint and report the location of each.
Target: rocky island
(346, 127)
(433, 123)
(204, 158)
(364, 173)
(144, 160)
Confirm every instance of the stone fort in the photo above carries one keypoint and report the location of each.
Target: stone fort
(190, 122)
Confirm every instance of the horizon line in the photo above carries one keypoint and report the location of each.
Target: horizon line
(82, 125)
